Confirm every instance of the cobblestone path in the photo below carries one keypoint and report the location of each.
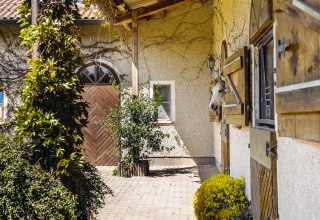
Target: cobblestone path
(166, 194)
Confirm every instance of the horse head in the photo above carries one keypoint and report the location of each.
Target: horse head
(218, 92)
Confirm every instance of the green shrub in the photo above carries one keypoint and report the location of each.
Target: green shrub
(220, 197)
(27, 192)
(134, 124)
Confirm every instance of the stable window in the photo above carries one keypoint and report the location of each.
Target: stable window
(165, 89)
(1, 106)
(266, 81)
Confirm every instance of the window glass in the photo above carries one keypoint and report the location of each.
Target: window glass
(164, 111)
(96, 73)
(266, 78)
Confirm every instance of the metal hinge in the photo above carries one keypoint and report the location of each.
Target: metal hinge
(269, 149)
(283, 44)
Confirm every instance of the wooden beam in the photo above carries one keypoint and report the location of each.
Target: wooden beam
(135, 66)
(153, 9)
(34, 14)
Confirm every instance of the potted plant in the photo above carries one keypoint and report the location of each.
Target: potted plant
(134, 123)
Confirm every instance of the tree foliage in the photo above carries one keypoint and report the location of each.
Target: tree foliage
(134, 123)
(28, 193)
(49, 124)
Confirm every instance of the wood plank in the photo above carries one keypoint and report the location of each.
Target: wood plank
(225, 152)
(255, 189)
(153, 9)
(234, 66)
(236, 110)
(297, 61)
(284, 24)
(308, 126)
(287, 125)
(303, 100)
(311, 54)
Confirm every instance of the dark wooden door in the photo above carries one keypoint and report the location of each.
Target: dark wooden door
(225, 149)
(100, 148)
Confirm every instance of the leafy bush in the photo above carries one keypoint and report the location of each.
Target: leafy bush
(28, 193)
(134, 122)
(220, 197)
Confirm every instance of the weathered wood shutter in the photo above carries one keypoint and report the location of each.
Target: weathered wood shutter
(298, 76)
(260, 19)
(235, 71)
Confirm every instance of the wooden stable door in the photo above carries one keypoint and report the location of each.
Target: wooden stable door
(263, 165)
(225, 149)
(100, 148)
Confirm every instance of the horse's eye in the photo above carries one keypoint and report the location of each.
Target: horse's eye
(219, 90)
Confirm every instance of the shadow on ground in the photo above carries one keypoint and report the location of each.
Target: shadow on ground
(172, 171)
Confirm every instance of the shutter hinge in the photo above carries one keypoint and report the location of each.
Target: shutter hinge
(283, 44)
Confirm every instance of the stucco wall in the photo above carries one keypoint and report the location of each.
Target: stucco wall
(176, 48)
(231, 23)
(298, 179)
(173, 48)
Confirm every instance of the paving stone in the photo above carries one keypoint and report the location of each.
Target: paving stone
(166, 194)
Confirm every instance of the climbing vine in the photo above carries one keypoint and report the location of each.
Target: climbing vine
(52, 113)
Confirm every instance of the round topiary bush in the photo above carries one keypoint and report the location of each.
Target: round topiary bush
(220, 197)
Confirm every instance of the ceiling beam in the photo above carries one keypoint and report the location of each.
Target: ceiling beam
(153, 9)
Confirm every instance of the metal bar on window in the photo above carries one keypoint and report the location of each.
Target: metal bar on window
(233, 88)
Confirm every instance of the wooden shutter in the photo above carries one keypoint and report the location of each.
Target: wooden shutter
(260, 19)
(235, 71)
(298, 78)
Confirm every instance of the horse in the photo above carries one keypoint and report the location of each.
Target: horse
(218, 91)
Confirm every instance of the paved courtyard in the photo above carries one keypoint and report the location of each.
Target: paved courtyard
(166, 194)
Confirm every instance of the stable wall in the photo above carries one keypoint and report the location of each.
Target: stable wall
(298, 179)
(231, 23)
(298, 161)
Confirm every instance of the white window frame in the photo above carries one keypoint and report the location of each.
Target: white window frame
(172, 98)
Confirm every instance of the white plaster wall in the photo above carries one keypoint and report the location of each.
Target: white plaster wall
(240, 155)
(176, 48)
(298, 179)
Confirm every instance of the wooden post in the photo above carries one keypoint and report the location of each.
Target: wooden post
(135, 70)
(34, 14)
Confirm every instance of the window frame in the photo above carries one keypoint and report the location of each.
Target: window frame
(171, 84)
(260, 122)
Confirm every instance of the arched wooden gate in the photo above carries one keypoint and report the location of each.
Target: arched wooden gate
(100, 147)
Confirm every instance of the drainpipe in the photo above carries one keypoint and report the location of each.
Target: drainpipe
(34, 15)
